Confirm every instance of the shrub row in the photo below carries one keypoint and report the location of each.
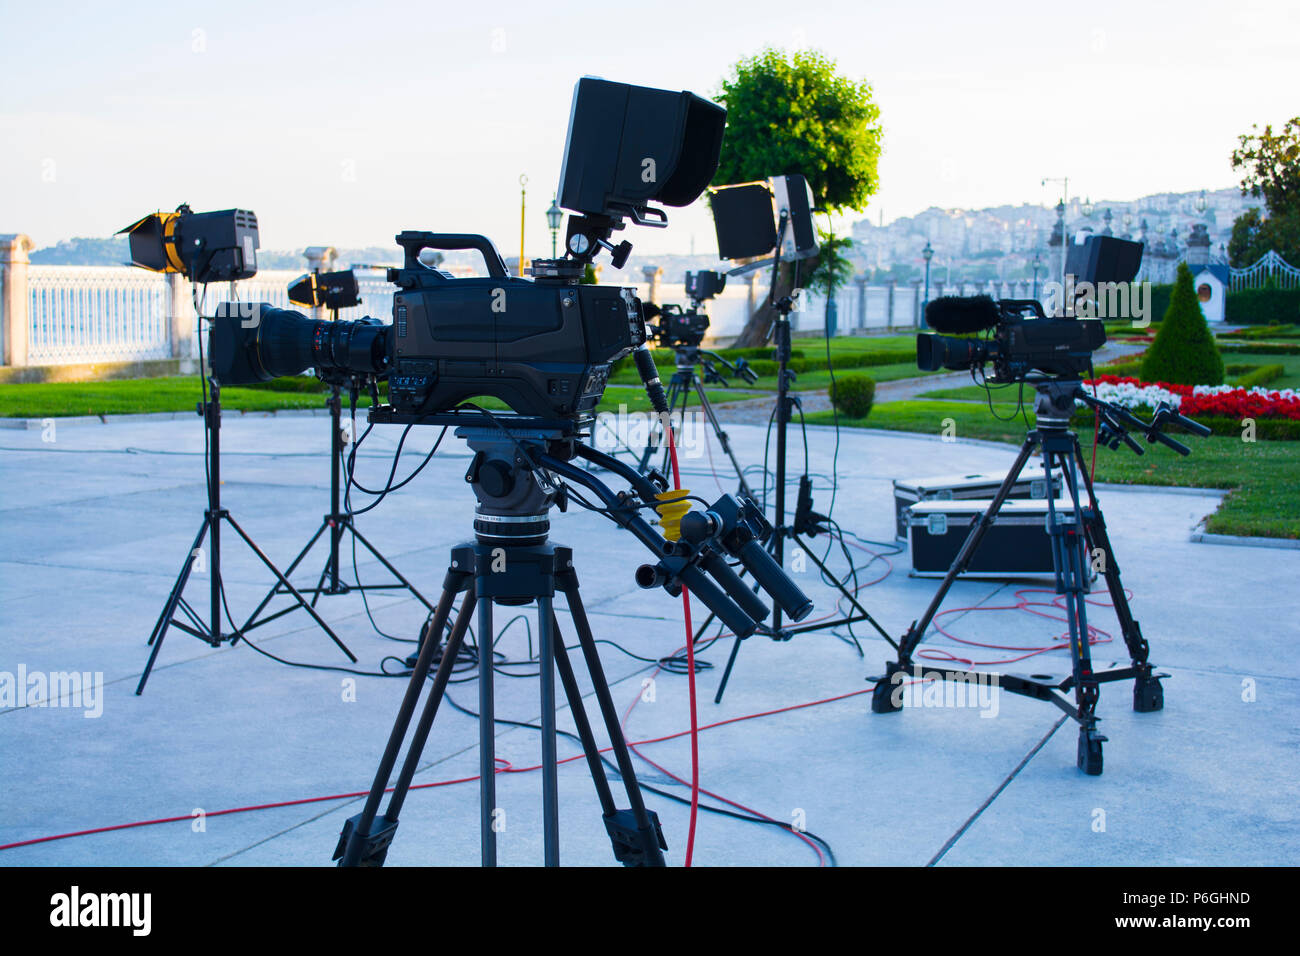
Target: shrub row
(1262, 348)
(1264, 332)
(1258, 375)
(1263, 306)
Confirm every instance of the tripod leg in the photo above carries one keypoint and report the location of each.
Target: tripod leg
(169, 609)
(292, 590)
(726, 673)
(883, 699)
(359, 843)
(638, 841)
(384, 561)
(446, 666)
(288, 573)
(1148, 694)
(589, 747)
(839, 586)
(550, 775)
(486, 737)
(1068, 538)
(723, 440)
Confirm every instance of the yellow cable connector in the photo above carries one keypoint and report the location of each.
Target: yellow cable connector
(672, 511)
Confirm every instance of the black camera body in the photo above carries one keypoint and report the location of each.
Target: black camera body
(680, 327)
(543, 346)
(1024, 340)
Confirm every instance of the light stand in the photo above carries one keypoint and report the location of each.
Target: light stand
(804, 523)
(213, 516)
(337, 522)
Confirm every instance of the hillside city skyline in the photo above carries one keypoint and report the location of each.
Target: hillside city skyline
(968, 243)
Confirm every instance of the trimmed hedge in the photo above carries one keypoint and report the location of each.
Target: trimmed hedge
(1263, 348)
(1184, 351)
(854, 395)
(1264, 332)
(1263, 306)
(1259, 375)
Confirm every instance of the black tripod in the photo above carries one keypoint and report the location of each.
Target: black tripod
(511, 563)
(338, 523)
(805, 523)
(1079, 542)
(686, 380)
(211, 631)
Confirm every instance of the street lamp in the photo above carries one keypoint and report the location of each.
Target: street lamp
(1202, 203)
(927, 254)
(1087, 208)
(1038, 264)
(523, 206)
(553, 217)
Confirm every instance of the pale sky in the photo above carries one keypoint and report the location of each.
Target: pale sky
(345, 123)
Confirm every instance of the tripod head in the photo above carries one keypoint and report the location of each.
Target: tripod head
(518, 474)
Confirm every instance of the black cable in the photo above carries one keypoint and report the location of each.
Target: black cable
(707, 808)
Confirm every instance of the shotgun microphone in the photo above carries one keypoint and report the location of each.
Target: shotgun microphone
(961, 315)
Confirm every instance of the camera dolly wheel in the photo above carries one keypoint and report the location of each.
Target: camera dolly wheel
(1090, 752)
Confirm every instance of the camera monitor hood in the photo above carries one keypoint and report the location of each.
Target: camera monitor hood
(629, 146)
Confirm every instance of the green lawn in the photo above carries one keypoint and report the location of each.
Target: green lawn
(181, 394)
(1262, 476)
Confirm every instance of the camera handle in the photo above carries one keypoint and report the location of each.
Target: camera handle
(414, 242)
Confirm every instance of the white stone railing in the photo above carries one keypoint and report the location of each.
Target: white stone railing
(88, 314)
(59, 315)
(70, 315)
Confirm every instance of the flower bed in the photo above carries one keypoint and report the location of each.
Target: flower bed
(1220, 401)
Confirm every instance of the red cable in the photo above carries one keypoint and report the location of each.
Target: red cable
(690, 679)
(505, 767)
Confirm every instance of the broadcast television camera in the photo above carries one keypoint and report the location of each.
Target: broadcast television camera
(686, 327)
(1022, 340)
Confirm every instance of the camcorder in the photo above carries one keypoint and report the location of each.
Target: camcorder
(544, 346)
(677, 327)
(1022, 340)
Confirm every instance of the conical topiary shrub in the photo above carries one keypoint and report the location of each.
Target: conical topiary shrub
(1183, 352)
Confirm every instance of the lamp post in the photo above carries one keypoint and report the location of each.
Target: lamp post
(1202, 204)
(553, 217)
(927, 254)
(1060, 215)
(1037, 264)
(523, 203)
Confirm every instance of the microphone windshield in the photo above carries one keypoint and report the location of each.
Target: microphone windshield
(959, 315)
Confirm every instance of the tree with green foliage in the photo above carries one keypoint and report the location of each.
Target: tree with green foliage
(1183, 352)
(793, 113)
(1270, 165)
